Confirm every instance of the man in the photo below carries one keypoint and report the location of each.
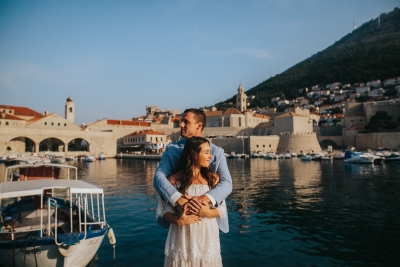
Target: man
(192, 124)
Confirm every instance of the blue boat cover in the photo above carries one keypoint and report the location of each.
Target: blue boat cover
(69, 239)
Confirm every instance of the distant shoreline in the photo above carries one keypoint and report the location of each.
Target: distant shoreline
(135, 156)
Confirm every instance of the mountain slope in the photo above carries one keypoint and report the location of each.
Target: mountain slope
(370, 52)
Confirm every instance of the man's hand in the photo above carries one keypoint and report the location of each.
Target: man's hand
(202, 199)
(183, 200)
(186, 218)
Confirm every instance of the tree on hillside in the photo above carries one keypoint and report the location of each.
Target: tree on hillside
(381, 122)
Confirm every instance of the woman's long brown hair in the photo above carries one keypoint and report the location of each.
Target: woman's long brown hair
(189, 160)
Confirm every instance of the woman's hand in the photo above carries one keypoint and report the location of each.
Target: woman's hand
(202, 209)
(187, 217)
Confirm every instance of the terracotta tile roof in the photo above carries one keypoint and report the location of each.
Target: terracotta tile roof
(175, 118)
(22, 111)
(261, 116)
(228, 111)
(158, 120)
(213, 113)
(128, 122)
(145, 132)
(9, 116)
(264, 125)
(289, 114)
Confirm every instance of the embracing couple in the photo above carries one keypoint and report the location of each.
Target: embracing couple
(193, 181)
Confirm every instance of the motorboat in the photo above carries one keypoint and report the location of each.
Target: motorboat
(338, 156)
(293, 154)
(21, 159)
(287, 155)
(49, 217)
(317, 156)
(358, 157)
(270, 155)
(233, 155)
(57, 159)
(102, 156)
(393, 157)
(89, 158)
(305, 157)
(326, 158)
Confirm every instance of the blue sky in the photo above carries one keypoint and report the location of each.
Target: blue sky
(115, 57)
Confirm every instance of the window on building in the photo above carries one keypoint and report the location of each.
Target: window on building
(257, 146)
(6, 122)
(52, 123)
(263, 145)
(59, 124)
(45, 123)
(65, 124)
(161, 138)
(270, 145)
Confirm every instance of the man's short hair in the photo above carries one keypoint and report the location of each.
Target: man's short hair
(199, 115)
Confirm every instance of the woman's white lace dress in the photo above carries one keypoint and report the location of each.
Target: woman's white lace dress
(193, 245)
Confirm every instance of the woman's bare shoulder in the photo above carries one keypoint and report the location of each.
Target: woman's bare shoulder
(174, 178)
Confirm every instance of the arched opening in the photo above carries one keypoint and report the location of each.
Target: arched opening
(52, 144)
(78, 144)
(325, 143)
(22, 144)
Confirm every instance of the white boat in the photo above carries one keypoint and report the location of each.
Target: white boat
(233, 155)
(270, 155)
(89, 158)
(305, 157)
(102, 156)
(21, 159)
(49, 217)
(326, 158)
(287, 155)
(293, 154)
(57, 159)
(357, 157)
(317, 156)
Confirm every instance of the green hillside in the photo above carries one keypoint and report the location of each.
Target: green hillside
(370, 52)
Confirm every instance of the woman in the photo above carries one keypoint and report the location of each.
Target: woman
(193, 237)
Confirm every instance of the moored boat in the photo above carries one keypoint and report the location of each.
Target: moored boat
(305, 157)
(357, 157)
(89, 158)
(270, 155)
(102, 156)
(394, 157)
(49, 218)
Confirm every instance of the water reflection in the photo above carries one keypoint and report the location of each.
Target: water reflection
(281, 213)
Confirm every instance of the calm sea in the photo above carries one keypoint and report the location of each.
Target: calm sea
(281, 213)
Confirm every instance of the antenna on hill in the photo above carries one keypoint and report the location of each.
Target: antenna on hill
(354, 23)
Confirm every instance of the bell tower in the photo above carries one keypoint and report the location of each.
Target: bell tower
(241, 99)
(70, 110)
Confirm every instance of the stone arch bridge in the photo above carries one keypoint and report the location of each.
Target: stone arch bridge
(68, 142)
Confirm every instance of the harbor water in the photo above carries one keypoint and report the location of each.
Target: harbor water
(281, 212)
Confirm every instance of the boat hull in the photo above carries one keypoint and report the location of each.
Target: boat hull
(49, 254)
